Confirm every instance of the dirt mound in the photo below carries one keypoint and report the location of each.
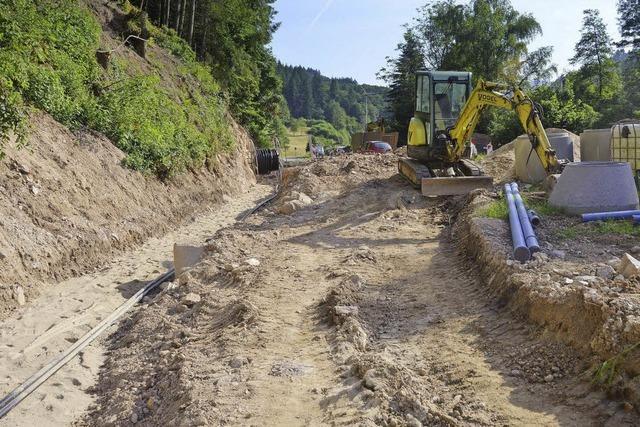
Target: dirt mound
(328, 178)
(170, 343)
(69, 205)
(500, 164)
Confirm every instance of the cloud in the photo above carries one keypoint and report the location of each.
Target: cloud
(327, 5)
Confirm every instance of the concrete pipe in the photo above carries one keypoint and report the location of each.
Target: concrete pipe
(595, 187)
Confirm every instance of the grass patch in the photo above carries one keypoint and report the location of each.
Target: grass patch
(297, 146)
(620, 228)
(498, 208)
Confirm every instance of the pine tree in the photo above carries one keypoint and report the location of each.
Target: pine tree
(400, 76)
(629, 21)
(593, 50)
(594, 53)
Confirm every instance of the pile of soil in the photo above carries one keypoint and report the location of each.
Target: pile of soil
(354, 309)
(68, 204)
(500, 164)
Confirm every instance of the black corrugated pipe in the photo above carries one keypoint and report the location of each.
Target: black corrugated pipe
(268, 161)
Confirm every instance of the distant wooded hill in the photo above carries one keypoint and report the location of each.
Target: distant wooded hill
(340, 101)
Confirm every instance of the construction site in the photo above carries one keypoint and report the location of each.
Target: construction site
(424, 285)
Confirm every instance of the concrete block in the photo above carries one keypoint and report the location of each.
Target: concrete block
(185, 257)
(595, 187)
(629, 266)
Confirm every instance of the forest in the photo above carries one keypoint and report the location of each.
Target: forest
(342, 102)
(490, 38)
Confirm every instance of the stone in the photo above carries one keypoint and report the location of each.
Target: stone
(371, 381)
(305, 199)
(287, 208)
(345, 310)
(606, 272)
(18, 295)
(614, 262)
(549, 378)
(412, 421)
(635, 250)
(134, 418)
(191, 299)
(238, 362)
(168, 286)
(629, 266)
(588, 279)
(253, 262)
(557, 253)
(568, 281)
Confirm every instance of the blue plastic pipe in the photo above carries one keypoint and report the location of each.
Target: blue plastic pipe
(534, 218)
(527, 229)
(520, 250)
(603, 216)
(636, 219)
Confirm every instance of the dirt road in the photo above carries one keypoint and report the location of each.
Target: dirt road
(357, 309)
(66, 311)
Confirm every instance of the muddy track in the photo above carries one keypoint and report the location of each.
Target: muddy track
(361, 311)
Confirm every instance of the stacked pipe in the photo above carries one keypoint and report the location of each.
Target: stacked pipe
(525, 242)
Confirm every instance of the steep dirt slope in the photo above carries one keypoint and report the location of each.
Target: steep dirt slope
(67, 204)
(356, 309)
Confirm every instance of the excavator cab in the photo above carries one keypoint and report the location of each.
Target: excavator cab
(440, 98)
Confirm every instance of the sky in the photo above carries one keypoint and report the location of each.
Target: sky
(352, 38)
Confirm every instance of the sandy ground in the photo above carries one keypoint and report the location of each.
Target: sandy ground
(355, 309)
(64, 312)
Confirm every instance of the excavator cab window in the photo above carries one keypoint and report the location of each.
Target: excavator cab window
(449, 100)
(423, 97)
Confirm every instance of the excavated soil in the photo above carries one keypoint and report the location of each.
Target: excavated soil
(348, 301)
(67, 204)
(571, 290)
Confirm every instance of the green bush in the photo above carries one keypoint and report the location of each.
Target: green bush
(47, 60)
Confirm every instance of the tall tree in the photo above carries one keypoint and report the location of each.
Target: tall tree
(400, 76)
(593, 51)
(629, 21)
(482, 36)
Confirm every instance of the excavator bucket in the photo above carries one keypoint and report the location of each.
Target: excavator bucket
(455, 186)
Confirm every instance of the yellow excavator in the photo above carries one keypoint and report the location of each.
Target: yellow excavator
(447, 112)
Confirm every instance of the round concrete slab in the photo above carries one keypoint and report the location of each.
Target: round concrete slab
(595, 187)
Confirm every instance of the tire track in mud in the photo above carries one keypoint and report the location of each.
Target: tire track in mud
(362, 312)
